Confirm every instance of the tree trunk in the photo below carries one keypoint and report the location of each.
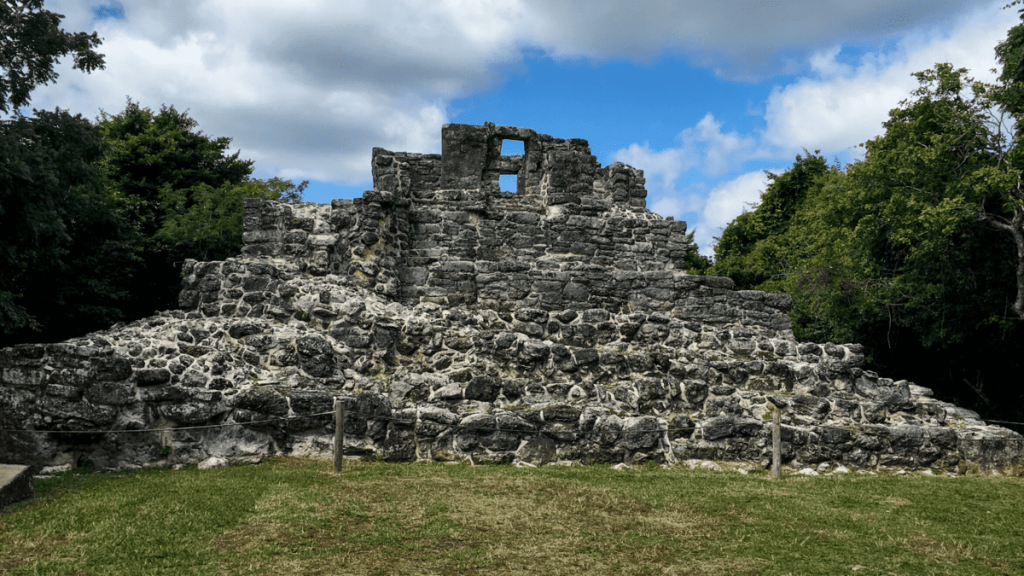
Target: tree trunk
(1016, 229)
(1018, 237)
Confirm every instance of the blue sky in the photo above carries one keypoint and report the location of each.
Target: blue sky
(701, 96)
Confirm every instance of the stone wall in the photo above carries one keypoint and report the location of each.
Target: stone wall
(572, 234)
(458, 322)
(512, 260)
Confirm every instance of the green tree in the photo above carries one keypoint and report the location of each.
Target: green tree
(47, 191)
(899, 253)
(95, 218)
(749, 250)
(182, 192)
(207, 221)
(30, 43)
(696, 263)
(66, 248)
(1002, 202)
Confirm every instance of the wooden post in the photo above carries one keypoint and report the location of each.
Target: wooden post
(339, 434)
(776, 445)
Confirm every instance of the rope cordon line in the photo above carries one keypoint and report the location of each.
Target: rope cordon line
(353, 412)
(347, 412)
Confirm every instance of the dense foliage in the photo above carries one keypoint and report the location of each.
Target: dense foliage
(30, 43)
(696, 263)
(49, 188)
(750, 250)
(97, 218)
(182, 193)
(912, 251)
(65, 251)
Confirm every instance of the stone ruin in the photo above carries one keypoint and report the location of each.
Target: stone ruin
(458, 322)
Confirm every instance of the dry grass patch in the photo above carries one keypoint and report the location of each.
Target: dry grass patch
(452, 520)
(896, 501)
(947, 552)
(19, 550)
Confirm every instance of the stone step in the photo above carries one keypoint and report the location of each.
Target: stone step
(15, 484)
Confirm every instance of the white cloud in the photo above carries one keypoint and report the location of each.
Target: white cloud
(834, 108)
(726, 201)
(690, 201)
(842, 106)
(661, 169)
(825, 65)
(737, 39)
(714, 151)
(306, 88)
(703, 146)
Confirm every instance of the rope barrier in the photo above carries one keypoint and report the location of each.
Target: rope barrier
(1003, 422)
(360, 414)
(175, 428)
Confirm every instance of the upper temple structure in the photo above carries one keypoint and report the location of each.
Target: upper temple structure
(436, 228)
(555, 323)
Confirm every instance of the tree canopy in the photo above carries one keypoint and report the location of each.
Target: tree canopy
(66, 250)
(912, 251)
(182, 192)
(49, 187)
(31, 41)
(97, 218)
(748, 250)
(102, 215)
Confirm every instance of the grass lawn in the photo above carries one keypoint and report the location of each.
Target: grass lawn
(295, 516)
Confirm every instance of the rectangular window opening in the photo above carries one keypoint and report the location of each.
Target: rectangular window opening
(508, 182)
(512, 148)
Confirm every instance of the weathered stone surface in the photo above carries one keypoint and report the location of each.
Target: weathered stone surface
(457, 322)
(152, 376)
(538, 450)
(192, 413)
(263, 400)
(111, 393)
(483, 388)
(641, 432)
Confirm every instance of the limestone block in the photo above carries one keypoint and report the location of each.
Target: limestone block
(212, 462)
(70, 392)
(513, 423)
(608, 429)
(15, 484)
(695, 392)
(727, 426)
(62, 408)
(449, 392)
(152, 376)
(483, 388)
(22, 377)
(192, 413)
(538, 450)
(641, 432)
(112, 393)
(263, 400)
(811, 406)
